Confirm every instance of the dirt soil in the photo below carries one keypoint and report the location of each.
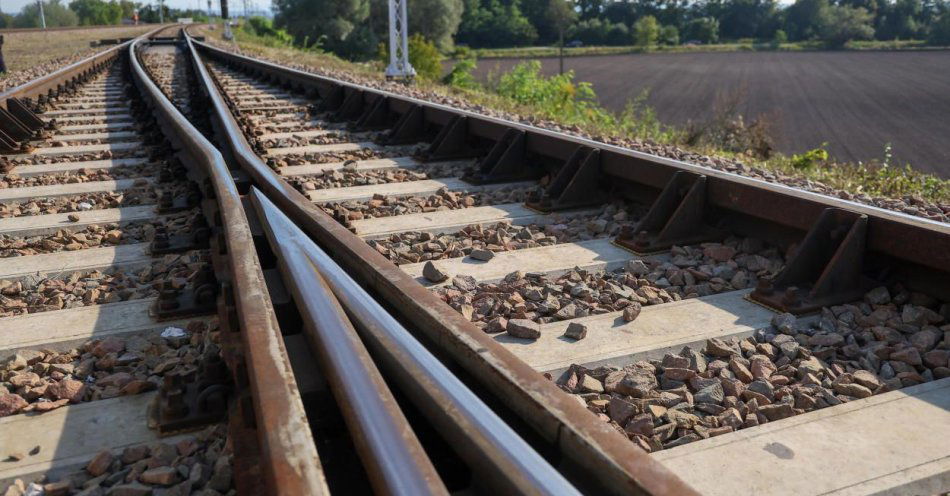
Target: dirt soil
(855, 101)
(30, 51)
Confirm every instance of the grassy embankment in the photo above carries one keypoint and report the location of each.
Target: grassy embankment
(573, 106)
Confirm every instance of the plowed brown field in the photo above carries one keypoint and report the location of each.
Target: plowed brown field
(855, 101)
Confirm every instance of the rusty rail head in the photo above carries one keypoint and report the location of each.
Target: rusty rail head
(291, 464)
(477, 434)
(607, 459)
(392, 455)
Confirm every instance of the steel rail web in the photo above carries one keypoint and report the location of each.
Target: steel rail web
(288, 454)
(920, 245)
(590, 451)
(515, 456)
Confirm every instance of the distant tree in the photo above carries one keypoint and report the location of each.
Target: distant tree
(669, 35)
(436, 20)
(560, 14)
(54, 11)
(537, 13)
(490, 23)
(803, 19)
(703, 29)
(6, 20)
(646, 31)
(940, 31)
(842, 24)
(748, 18)
(590, 9)
(96, 12)
(149, 13)
(902, 19)
(341, 26)
(590, 31)
(779, 38)
(128, 8)
(623, 12)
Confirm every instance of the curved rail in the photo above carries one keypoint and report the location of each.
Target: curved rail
(606, 458)
(394, 459)
(289, 457)
(479, 434)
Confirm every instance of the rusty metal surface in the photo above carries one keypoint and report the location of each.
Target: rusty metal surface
(290, 464)
(905, 238)
(503, 461)
(391, 454)
(586, 444)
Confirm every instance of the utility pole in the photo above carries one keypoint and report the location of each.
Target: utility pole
(227, 22)
(399, 66)
(42, 15)
(161, 13)
(210, 22)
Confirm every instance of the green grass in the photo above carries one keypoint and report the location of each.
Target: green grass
(572, 105)
(552, 51)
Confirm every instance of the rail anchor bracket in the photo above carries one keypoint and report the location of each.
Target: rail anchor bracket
(375, 117)
(409, 128)
(451, 142)
(574, 185)
(193, 398)
(826, 270)
(197, 239)
(169, 203)
(351, 108)
(198, 299)
(675, 218)
(505, 162)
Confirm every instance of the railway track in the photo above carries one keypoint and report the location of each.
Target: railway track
(278, 283)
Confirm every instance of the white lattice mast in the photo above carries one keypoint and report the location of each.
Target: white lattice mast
(399, 66)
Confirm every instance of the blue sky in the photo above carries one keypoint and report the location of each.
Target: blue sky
(237, 6)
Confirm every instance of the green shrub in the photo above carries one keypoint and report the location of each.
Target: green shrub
(779, 38)
(669, 35)
(556, 95)
(461, 75)
(810, 158)
(940, 31)
(640, 120)
(462, 52)
(646, 31)
(263, 29)
(423, 55)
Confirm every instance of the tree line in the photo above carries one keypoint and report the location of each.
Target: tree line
(354, 28)
(91, 13)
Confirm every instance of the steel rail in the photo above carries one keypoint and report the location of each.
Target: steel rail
(589, 448)
(478, 435)
(391, 454)
(921, 246)
(289, 459)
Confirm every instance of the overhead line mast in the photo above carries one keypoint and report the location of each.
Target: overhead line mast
(399, 66)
